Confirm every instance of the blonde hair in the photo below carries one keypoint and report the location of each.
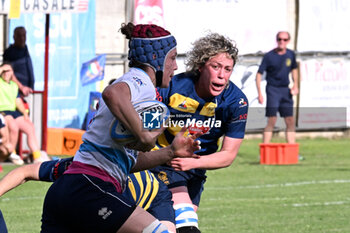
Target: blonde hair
(208, 47)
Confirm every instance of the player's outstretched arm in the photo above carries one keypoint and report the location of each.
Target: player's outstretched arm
(19, 176)
(182, 146)
(220, 159)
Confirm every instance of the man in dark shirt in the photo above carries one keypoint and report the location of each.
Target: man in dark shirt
(277, 64)
(17, 55)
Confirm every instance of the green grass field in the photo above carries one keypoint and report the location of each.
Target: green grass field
(312, 196)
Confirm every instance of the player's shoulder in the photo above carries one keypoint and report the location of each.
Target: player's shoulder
(233, 96)
(182, 82)
(135, 75)
(184, 77)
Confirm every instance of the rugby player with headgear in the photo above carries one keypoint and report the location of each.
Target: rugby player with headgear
(88, 196)
(205, 100)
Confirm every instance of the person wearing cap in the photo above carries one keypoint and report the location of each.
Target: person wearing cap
(206, 101)
(88, 196)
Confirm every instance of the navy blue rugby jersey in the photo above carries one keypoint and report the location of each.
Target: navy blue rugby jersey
(225, 114)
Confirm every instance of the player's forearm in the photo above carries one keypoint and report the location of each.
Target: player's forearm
(148, 160)
(19, 176)
(223, 158)
(13, 179)
(215, 161)
(117, 98)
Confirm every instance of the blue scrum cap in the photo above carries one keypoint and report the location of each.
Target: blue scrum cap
(150, 45)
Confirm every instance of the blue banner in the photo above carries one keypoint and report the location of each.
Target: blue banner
(72, 42)
(93, 70)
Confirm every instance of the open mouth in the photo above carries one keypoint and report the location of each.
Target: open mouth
(218, 86)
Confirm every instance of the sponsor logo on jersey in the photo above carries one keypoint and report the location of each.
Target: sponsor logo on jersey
(138, 81)
(242, 103)
(163, 177)
(240, 118)
(183, 103)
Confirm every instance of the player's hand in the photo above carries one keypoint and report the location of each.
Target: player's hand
(183, 164)
(185, 146)
(261, 99)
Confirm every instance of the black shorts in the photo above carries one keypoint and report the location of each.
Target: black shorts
(278, 99)
(14, 114)
(194, 180)
(82, 203)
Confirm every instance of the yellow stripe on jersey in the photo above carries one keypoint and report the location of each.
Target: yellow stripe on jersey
(183, 103)
(139, 181)
(147, 191)
(155, 148)
(143, 187)
(131, 187)
(208, 109)
(154, 191)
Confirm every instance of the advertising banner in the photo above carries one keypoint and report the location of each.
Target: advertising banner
(45, 6)
(72, 42)
(322, 26)
(324, 93)
(251, 24)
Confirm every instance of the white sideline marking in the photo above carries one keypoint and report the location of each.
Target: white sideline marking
(281, 185)
(319, 204)
(19, 198)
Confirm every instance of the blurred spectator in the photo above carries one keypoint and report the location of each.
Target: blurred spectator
(18, 56)
(277, 64)
(12, 107)
(5, 147)
(8, 140)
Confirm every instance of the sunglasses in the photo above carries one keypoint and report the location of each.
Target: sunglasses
(284, 39)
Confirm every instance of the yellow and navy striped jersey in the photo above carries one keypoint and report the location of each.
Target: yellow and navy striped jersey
(142, 188)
